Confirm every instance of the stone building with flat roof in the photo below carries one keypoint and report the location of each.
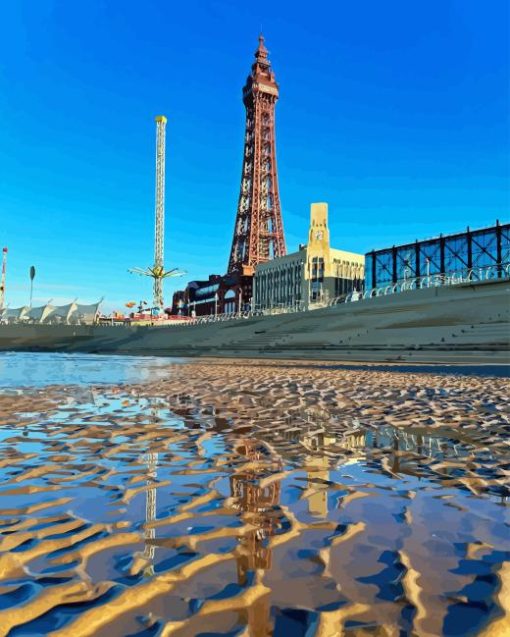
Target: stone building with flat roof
(312, 276)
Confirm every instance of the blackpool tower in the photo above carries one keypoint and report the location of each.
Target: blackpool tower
(258, 232)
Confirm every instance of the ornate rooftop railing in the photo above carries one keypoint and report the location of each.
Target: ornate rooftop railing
(473, 275)
(434, 280)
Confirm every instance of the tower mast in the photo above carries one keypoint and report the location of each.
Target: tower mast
(2, 280)
(157, 271)
(159, 222)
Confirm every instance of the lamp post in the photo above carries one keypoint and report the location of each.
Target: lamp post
(216, 304)
(406, 271)
(32, 277)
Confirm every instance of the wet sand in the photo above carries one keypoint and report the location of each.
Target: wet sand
(257, 498)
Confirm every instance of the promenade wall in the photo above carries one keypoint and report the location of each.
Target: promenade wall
(463, 323)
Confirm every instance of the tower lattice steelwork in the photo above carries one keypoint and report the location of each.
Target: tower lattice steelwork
(258, 232)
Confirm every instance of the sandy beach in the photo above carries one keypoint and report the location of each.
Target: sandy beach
(257, 498)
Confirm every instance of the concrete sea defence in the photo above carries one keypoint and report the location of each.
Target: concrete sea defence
(464, 323)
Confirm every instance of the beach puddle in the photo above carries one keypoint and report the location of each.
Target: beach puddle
(243, 498)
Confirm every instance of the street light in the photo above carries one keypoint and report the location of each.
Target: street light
(32, 277)
(216, 304)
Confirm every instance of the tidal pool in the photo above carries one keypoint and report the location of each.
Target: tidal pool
(255, 498)
(36, 369)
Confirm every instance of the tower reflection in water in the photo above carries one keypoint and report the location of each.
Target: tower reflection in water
(151, 461)
(259, 507)
(150, 513)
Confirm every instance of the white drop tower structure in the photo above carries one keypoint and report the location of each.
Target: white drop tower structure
(157, 272)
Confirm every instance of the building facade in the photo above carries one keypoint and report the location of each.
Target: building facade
(219, 294)
(312, 276)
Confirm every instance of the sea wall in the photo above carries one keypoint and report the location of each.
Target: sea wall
(462, 323)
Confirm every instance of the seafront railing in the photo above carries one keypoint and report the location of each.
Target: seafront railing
(472, 275)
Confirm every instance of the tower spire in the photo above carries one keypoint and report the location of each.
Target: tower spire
(258, 232)
(261, 49)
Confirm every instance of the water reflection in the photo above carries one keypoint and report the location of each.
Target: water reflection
(258, 506)
(269, 524)
(318, 500)
(40, 369)
(444, 452)
(150, 513)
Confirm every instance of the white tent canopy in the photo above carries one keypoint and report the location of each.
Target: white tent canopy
(86, 313)
(14, 313)
(71, 313)
(62, 312)
(38, 314)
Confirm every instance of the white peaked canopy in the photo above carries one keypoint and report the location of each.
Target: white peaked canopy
(70, 313)
(38, 314)
(62, 312)
(14, 313)
(86, 313)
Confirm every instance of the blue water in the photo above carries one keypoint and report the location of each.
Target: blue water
(23, 369)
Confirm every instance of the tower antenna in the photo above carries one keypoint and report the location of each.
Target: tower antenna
(157, 272)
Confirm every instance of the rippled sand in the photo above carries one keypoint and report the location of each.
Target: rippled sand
(256, 498)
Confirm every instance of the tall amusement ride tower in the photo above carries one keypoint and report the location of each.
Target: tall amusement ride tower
(258, 232)
(157, 272)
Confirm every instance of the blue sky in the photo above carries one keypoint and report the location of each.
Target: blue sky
(395, 113)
